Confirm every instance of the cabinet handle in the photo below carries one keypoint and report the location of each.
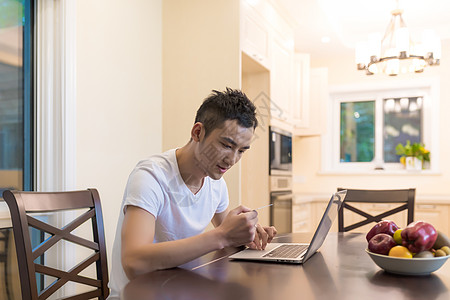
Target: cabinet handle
(300, 224)
(426, 206)
(381, 205)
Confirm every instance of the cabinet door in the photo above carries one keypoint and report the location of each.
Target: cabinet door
(301, 217)
(255, 37)
(280, 79)
(435, 214)
(312, 109)
(301, 84)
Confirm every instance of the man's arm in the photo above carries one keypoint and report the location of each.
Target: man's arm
(140, 255)
(219, 217)
(264, 236)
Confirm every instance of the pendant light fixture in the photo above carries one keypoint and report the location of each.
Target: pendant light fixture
(397, 52)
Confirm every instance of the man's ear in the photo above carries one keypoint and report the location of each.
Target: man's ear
(198, 132)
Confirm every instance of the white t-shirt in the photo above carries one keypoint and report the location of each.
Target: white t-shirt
(156, 185)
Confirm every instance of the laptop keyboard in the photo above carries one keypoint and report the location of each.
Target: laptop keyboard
(287, 251)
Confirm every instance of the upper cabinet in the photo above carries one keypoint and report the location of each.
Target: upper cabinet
(281, 88)
(254, 36)
(312, 104)
(300, 82)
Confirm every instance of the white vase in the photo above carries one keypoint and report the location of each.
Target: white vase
(413, 163)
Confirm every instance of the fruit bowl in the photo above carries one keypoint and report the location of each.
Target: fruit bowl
(408, 266)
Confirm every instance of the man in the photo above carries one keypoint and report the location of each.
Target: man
(171, 198)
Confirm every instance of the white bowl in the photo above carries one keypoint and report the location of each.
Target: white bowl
(408, 266)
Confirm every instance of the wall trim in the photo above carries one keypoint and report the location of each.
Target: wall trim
(55, 95)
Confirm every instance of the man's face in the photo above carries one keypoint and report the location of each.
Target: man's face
(223, 147)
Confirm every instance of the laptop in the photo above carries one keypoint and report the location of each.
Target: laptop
(297, 252)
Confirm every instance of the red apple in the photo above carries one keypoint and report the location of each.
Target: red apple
(419, 236)
(384, 226)
(381, 243)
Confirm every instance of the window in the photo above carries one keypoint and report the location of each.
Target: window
(366, 126)
(357, 131)
(16, 95)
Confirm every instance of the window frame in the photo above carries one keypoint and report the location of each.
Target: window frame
(426, 88)
(29, 96)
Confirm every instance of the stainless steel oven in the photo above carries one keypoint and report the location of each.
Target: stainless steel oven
(280, 152)
(281, 198)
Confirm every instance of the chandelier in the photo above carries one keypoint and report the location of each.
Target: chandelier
(397, 52)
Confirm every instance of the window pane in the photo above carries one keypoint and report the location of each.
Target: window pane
(13, 33)
(357, 131)
(402, 122)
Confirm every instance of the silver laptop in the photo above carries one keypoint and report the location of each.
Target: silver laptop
(297, 252)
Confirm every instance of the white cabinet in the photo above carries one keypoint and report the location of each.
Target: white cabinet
(310, 110)
(301, 217)
(435, 214)
(300, 99)
(254, 36)
(281, 78)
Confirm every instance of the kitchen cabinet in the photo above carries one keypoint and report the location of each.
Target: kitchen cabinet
(301, 217)
(254, 36)
(301, 84)
(435, 214)
(281, 78)
(311, 98)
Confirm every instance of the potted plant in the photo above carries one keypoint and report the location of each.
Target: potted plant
(413, 156)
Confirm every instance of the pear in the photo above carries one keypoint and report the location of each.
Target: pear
(441, 240)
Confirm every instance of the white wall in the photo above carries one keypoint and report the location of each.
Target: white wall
(197, 59)
(119, 96)
(306, 152)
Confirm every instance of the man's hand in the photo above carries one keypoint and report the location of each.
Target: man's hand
(239, 226)
(263, 237)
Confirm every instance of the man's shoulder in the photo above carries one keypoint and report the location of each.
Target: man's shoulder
(158, 165)
(161, 160)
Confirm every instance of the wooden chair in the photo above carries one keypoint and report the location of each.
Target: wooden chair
(405, 197)
(22, 204)
(4, 246)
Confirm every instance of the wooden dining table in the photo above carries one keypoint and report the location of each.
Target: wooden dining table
(341, 269)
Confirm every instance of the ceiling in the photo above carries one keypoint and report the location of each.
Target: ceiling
(346, 22)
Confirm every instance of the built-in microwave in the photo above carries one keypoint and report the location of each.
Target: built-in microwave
(280, 162)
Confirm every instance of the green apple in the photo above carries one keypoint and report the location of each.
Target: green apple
(398, 236)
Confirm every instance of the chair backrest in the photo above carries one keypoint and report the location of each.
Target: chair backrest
(22, 204)
(404, 197)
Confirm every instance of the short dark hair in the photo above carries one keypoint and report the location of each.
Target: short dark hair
(231, 104)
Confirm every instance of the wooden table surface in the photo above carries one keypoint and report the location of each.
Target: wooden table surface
(340, 270)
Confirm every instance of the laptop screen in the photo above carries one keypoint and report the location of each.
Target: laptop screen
(326, 222)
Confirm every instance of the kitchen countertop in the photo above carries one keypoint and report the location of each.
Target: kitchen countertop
(300, 198)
